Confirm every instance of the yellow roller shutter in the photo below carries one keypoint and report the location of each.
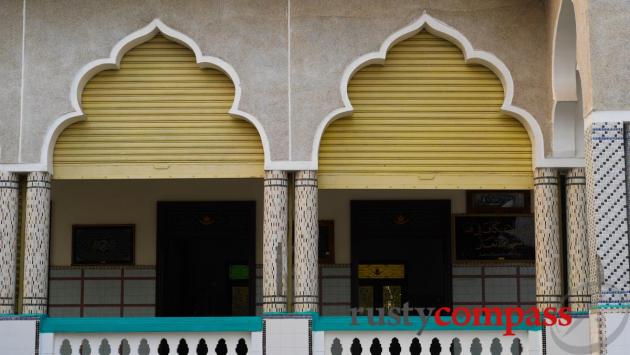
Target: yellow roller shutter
(158, 116)
(426, 119)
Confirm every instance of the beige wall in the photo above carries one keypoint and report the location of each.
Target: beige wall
(134, 201)
(335, 205)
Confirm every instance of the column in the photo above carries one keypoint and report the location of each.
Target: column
(275, 241)
(306, 285)
(9, 197)
(577, 242)
(608, 214)
(37, 239)
(547, 217)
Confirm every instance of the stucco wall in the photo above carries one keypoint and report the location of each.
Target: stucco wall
(610, 53)
(11, 74)
(325, 37)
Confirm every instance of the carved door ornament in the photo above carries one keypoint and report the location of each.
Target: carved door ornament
(207, 220)
(400, 219)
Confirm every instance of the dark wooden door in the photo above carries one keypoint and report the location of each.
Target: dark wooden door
(200, 245)
(411, 233)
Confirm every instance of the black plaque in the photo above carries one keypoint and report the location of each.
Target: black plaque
(502, 201)
(488, 237)
(103, 244)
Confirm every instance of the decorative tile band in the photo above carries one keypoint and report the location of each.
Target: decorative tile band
(37, 230)
(275, 229)
(577, 240)
(547, 216)
(9, 200)
(306, 298)
(608, 159)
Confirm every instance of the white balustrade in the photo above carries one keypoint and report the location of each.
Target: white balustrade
(229, 343)
(472, 342)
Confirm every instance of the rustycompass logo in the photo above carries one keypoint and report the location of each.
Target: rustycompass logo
(509, 318)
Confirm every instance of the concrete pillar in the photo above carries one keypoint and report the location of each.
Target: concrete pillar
(577, 242)
(548, 258)
(275, 241)
(306, 272)
(37, 239)
(9, 197)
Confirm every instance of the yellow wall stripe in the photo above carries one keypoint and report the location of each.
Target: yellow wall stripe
(426, 119)
(158, 116)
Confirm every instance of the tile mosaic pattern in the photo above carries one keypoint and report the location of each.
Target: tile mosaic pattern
(9, 199)
(335, 290)
(98, 291)
(548, 251)
(610, 210)
(37, 231)
(275, 241)
(306, 293)
(577, 242)
(497, 286)
(473, 286)
(594, 266)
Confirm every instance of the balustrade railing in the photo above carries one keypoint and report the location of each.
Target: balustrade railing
(149, 336)
(152, 343)
(248, 336)
(429, 342)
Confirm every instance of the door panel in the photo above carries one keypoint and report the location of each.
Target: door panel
(413, 236)
(198, 242)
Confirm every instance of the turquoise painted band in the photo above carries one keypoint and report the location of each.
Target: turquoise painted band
(344, 323)
(151, 324)
(246, 324)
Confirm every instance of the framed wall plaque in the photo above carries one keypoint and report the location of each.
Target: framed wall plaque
(103, 244)
(498, 201)
(493, 238)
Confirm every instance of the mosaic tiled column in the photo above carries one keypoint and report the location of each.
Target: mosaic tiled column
(37, 239)
(577, 242)
(306, 295)
(9, 196)
(594, 276)
(547, 217)
(275, 242)
(610, 225)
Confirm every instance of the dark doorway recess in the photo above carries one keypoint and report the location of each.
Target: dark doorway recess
(206, 258)
(401, 252)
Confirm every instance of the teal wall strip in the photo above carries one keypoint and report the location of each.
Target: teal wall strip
(152, 324)
(254, 324)
(344, 323)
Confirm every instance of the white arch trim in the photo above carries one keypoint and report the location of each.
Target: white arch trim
(113, 62)
(471, 55)
(563, 55)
